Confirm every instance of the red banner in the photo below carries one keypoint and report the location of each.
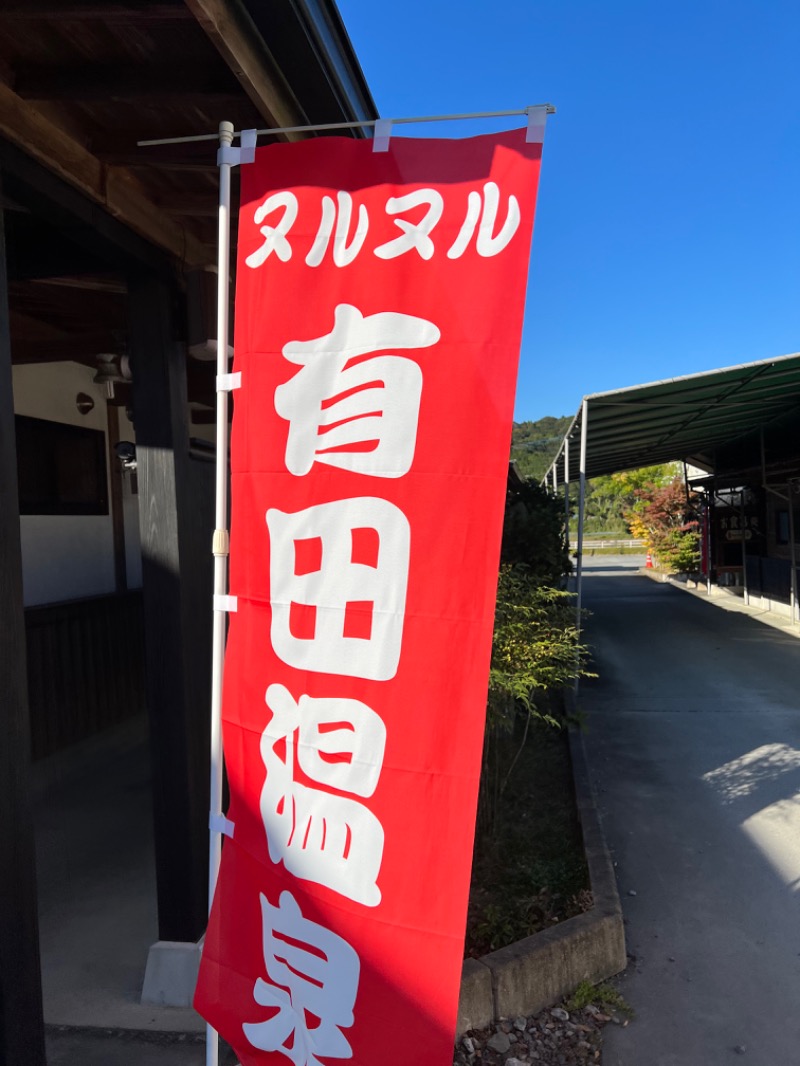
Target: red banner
(378, 316)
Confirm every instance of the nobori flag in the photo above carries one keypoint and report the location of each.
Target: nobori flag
(379, 310)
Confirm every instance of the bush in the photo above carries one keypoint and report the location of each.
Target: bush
(528, 868)
(535, 645)
(536, 650)
(533, 534)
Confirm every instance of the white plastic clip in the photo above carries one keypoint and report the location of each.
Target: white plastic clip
(537, 117)
(248, 140)
(382, 134)
(229, 382)
(244, 154)
(218, 823)
(226, 603)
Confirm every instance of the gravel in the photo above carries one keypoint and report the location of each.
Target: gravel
(555, 1037)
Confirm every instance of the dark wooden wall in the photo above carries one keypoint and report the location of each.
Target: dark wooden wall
(771, 578)
(85, 668)
(176, 525)
(21, 1024)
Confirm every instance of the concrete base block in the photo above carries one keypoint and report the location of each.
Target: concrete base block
(536, 973)
(476, 1001)
(171, 973)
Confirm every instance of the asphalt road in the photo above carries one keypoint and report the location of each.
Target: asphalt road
(694, 745)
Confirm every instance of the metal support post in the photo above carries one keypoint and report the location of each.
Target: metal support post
(709, 515)
(712, 544)
(566, 492)
(744, 548)
(793, 550)
(581, 506)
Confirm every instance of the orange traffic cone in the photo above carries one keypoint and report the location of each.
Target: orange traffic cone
(648, 563)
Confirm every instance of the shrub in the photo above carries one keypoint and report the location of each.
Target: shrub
(533, 533)
(535, 645)
(536, 650)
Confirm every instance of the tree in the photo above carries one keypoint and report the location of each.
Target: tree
(534, 444)
(533, 533)
(611, 496)
(665, 518)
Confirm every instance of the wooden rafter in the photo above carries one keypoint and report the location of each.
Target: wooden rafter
(102, 10)
(77, 347)
(91, 283)
(194, 205)
(113, 187)
(167, 86)
(141, 160)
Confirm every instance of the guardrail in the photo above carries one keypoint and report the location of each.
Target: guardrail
(592, 543)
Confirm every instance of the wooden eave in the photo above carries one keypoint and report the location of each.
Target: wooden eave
(81, 81)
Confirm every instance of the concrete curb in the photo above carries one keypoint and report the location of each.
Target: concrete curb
(540, 970)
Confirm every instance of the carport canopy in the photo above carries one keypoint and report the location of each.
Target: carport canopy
(684, 418)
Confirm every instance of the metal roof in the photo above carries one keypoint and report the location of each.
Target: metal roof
(680, 418)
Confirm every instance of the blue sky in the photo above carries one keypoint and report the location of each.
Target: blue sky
(667, 235)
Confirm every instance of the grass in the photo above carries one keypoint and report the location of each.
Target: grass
(531, 871)
(603, 995)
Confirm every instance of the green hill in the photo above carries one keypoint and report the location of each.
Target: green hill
(534, 444)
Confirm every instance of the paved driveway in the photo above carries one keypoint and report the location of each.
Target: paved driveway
(694, 744)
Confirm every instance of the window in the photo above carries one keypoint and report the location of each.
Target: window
(781, 527)
(61, 468)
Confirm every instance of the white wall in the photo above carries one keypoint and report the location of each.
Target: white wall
(48, 390)
(66, 557)
(70, 556)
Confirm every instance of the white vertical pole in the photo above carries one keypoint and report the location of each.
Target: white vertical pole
(220, 545)
(555, 475)
(581, 505)
(566, 490)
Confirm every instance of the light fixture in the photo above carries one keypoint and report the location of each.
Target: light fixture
(126, 453)
(112, 369)
(84, 403)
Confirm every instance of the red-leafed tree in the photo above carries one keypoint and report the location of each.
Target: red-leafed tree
(666, 519)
